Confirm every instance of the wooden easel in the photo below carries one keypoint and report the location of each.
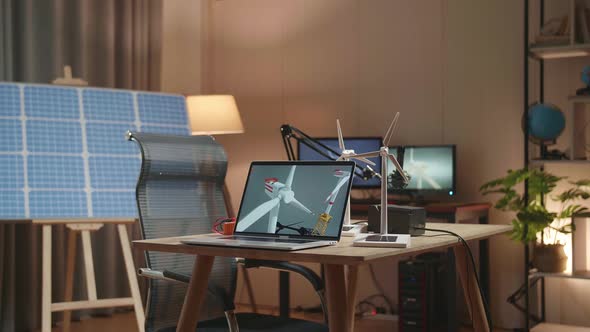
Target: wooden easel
(84, 227)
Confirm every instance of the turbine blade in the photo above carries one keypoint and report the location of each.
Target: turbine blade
(398, 167)
(298, 204)
(273, 219)
(340, 138)
(290, 177)
(367, 155)
(365, 160)
(334, 192)
(390, 130)
(430, 181)
(257, 213)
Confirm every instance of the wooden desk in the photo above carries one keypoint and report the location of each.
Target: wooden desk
(341, 295)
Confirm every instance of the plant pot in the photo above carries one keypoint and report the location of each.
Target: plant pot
(550, 258)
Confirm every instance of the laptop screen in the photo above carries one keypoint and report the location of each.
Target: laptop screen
(296, 198)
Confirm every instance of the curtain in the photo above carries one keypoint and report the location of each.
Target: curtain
(108, 43)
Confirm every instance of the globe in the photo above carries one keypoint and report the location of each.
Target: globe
(546, 122)
(586, 75)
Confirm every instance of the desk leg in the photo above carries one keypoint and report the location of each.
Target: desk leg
(473, 297)
(195, 294)
(337, 306)
(70, 265)
(484, 263)
(351, 297)
(46, 283)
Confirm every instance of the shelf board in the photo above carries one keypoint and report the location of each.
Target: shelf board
(579, 99)
(562, 161)
(569, 275)
(550, 327)
(559, 51)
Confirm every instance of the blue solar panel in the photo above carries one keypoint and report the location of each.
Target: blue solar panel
(165, 130)
(47, 204)
(114, 172)
(11, 172)
(51, 102)
(56, 172)
(161, 109)
(106, 204)
(70, 165)
(11, 135)
(12, 204)
(108, 105)
(54, 136)
(109, 138)
(10, 97)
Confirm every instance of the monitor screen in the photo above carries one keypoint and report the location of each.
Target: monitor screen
(295, 198)
(431, 168)
(359, 145)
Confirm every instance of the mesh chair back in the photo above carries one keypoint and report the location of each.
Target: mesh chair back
(180, 192)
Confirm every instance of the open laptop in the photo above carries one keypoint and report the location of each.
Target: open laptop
(289, 205)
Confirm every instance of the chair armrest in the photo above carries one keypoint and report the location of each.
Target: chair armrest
(307, 273)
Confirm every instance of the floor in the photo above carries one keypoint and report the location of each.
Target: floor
(125, 322)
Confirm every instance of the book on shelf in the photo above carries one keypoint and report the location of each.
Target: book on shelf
(555, 32)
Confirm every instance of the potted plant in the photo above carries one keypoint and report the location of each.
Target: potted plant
(533, 222)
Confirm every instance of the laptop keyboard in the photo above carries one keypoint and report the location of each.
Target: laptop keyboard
(264, 239)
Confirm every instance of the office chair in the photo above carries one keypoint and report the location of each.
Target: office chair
(180, 192)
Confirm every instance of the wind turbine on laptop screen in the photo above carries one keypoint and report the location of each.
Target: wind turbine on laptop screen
(279, 193)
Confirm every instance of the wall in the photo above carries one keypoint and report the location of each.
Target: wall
(453, 68)
(182, 27)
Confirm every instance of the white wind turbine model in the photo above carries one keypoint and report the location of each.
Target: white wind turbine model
(385, 156)
(279, 193)
(347, 155)
(418, 169)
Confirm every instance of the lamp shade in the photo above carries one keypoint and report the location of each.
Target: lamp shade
(213, 114)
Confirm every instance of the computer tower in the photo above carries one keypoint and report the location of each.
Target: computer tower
(422, 293)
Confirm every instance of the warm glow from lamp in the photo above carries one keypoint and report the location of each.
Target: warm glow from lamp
(213, 114)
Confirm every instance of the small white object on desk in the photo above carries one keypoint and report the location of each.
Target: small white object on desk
(353, 230)
(383, 240)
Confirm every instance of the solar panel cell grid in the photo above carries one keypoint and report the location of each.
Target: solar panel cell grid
(108, 105)
(51, 102)
(11, 172)
(114, 172)
(54, 136)
(10, 135)
(56, 172)
(10, 97)
(75, 160)
(162, 109)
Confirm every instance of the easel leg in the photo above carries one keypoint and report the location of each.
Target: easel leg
(70, 266)
(130, 267)
(46, 283)
(470, 290)
(197, 289)
(337, 299)
(88, 265)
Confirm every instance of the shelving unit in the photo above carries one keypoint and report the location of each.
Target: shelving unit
(579, 106)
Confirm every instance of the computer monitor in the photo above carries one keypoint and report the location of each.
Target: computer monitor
(359, 145)
(431, 168)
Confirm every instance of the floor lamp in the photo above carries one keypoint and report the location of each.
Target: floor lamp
(215, 115)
